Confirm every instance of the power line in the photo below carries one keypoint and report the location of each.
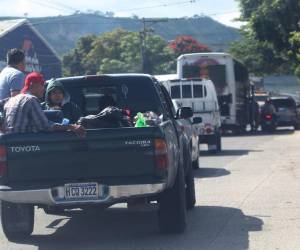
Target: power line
(49, 5)
(62, 5)
(159, 5)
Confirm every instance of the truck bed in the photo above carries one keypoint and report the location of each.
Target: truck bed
(42, 161)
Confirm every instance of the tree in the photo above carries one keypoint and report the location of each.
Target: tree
(272, 27)
(259, 57)
(187, 44)
(74, 63)
(118, 51)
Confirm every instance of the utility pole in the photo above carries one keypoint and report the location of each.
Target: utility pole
(143, 36)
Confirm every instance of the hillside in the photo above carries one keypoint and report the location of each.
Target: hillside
(63, 31)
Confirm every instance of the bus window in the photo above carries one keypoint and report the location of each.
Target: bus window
(186, 91)
(217, 74)
(191, 71)
(175, 92)
(198, 91)
(205, 91)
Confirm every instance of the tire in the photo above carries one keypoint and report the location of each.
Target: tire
(219, 143)
(190, 194)
(17, 220)
(195, 163)
(216, 143)
(297, 126)
(269, 129)
(172, 206)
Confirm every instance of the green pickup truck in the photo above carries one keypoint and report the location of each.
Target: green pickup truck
(59, 171)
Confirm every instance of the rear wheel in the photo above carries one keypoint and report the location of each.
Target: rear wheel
(172, 206)
(17, 220)
(190, 194)
(297, 126)
(268, 128)
(195, 163)
(219, 143)
(215, 146)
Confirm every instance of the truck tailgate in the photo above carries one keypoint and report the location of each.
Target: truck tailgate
(104, 154)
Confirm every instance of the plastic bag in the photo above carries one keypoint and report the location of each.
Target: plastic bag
(150, 119)
(110, 117)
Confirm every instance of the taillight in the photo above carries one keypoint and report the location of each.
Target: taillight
(268, 117)
(161, 154)
(208, 128)
(3, 165)
(127, 111)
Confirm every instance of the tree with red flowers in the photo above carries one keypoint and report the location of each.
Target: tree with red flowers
(187, 44)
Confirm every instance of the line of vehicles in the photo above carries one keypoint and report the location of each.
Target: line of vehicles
(148, 166)
(217, 88)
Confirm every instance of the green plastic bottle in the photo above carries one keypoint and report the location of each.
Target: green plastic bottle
(141, 121)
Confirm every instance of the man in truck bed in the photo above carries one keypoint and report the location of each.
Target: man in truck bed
(23, 113)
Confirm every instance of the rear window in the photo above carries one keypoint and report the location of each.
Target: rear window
(260, 98)
(284, 103)
(175, 91)
(186, 91)
(134, 94)
(198, 91)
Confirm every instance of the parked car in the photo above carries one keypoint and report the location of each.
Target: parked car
(286, 111)
(190, 133)
(57, 171)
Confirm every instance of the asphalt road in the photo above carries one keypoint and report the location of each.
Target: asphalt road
(248, 197)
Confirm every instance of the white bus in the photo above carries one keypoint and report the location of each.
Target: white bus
(231, 81)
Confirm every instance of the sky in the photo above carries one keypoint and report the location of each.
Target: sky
(224, 11)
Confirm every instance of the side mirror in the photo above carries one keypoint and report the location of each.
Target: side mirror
(197, 120)
(185, 113)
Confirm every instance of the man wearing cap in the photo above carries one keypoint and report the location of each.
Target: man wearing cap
(23, 113)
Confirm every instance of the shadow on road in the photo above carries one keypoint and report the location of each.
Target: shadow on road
(209, 227)
(210, 172)
(229, 152)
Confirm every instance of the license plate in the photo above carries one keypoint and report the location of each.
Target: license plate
(82, 190)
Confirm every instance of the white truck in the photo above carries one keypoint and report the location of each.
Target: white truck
(200, 95)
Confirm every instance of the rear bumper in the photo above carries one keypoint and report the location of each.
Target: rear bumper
(282, 123)
(56, 196)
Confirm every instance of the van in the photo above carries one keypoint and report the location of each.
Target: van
(201, 96)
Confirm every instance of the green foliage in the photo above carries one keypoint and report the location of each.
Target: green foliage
(118, 51)
(270, 41)
(295, 42)
(187, 44)
(75, 62)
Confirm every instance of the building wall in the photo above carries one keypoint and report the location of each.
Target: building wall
(38, 56)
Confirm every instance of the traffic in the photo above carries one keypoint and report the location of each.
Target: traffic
(127, 132)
